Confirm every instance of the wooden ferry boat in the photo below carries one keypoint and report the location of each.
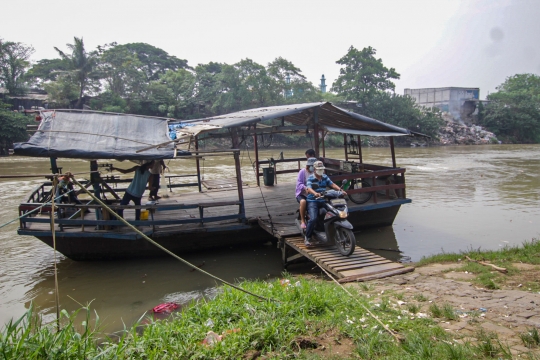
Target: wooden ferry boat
(220, 212)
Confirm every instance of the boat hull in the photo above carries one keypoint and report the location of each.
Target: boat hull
(110, 248)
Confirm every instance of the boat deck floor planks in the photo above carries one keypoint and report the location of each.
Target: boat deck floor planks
(362, 265)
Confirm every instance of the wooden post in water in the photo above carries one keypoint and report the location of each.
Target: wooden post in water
(197, 162)
(256, 146)
(242, 209)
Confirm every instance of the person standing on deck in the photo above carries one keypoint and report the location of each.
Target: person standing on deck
(136, 189)
(157, 168)
(316, 182)
(301, 191)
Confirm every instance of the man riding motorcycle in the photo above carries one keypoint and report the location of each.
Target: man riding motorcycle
(317, 181)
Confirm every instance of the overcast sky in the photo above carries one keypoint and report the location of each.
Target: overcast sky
(431, 43)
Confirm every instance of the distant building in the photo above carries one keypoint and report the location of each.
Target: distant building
(460, 102)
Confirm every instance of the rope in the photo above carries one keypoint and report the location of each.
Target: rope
(262, 195)
(362, 305)
(57, 296)
(165, 249)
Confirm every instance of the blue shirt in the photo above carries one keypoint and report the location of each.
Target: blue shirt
(318, 185)
(138, 184)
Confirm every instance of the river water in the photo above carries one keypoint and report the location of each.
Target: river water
(463, 197)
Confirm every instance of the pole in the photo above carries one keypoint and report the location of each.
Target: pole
(393, 152)
(197, 161)
(345, 147)
(359, 149)
(256, 155)
(239, 182)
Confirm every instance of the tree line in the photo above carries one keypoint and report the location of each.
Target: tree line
(139, 78)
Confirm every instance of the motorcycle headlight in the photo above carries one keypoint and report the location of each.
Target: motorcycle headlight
(343, 214)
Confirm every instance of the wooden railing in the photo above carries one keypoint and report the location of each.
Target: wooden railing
(107, 220)
(381, 179)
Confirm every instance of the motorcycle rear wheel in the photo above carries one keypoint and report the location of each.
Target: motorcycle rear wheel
(360, 198)
(345, 241)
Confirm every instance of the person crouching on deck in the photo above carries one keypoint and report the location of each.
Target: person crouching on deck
(319, 181)
(301, 190)
(136, 189)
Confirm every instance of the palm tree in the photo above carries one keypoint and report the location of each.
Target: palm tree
(81, 65)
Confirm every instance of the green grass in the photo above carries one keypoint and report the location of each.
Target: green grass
(304, 314)
(528, 252)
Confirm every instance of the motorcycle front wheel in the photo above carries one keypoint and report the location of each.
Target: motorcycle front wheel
(345, 241)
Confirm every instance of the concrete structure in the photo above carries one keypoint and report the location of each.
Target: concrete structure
(322, 86)
(458, 101)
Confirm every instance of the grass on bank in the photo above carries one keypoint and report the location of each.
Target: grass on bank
(310, 319)
(528, 253)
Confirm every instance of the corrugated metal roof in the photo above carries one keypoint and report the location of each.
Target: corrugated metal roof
(330, 117)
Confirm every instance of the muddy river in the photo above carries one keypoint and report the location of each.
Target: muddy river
(463, 197)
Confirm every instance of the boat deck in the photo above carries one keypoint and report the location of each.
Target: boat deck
(265, 202)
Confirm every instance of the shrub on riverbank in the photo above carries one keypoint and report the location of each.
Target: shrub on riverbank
(304, 319)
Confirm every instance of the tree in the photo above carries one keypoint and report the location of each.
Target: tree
(12, 128)
(363, 76)
(152, 61)
(81, 66)
(46, 70)
(14, 61)
(289, 85)
(513, 112)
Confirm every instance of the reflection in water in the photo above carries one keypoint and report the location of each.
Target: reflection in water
(463, 197)
(381, 241)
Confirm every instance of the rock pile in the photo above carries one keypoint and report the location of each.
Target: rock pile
(455, 133)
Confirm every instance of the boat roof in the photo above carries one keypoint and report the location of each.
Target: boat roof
(84, 134)
(330, 117)
(95, 135)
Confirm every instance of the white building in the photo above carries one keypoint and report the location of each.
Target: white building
(458, 101)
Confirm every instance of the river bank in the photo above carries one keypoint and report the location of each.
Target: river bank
(438, 311)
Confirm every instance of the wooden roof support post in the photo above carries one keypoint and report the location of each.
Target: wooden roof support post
(197, 162)
(242, 209)
(393, 152)
(360, 160)
(256, 146)
(345, 147)
(323, 149)
(316, 130)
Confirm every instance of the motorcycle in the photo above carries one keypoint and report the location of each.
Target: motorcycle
(332, 226)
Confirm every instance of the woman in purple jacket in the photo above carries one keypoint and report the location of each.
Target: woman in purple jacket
(301, 191)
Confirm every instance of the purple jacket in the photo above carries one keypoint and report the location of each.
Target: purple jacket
(301, 183)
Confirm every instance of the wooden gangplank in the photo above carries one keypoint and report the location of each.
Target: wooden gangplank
(361, 265)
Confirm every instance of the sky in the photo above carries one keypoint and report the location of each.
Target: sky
(430, 43)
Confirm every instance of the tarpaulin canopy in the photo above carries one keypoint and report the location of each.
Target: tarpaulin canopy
(328, 116)
(91, 135)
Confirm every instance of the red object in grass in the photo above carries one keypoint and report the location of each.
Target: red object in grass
(165, 307)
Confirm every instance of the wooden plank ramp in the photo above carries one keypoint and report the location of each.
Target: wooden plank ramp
(361, 265)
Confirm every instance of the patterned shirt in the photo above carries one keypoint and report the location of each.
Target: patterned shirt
(318, 185)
